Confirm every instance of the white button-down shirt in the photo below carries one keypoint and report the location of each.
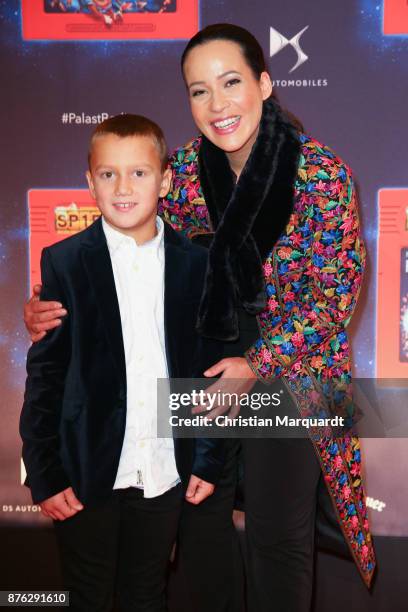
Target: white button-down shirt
(146, 461)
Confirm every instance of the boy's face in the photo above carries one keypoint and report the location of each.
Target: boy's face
(126, 180)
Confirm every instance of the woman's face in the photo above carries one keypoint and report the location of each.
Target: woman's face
(225, 96)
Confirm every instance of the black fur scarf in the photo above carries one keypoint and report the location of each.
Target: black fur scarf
(248, 218)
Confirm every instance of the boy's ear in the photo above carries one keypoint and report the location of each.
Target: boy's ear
(165, 183)
(90, 184)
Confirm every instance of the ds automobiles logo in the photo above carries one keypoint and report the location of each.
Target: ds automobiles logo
(277, 42)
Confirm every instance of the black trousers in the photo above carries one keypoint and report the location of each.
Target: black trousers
(280, 485)
(120, 546)
(208, 548)
(281, 477)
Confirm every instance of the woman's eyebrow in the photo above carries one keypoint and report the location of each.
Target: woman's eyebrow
(220, 76)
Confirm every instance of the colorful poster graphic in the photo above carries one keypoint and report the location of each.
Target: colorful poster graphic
(392, 284)
(395, 17)
(109, 19)
(55, 214)
(114, 8)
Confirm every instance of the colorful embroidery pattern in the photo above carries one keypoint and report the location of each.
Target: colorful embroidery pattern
(313, 276)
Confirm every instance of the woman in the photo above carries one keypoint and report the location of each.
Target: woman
(286, 247)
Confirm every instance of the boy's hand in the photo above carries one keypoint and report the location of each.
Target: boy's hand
(41, 316)
(198, 490)
(61, 506)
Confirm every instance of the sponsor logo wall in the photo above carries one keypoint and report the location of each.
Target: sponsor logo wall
(340, 67)
(278, 42)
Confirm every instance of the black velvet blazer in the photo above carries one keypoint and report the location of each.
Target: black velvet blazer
(74, 413)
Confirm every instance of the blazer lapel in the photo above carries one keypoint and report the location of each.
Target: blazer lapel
(176, 266)
(98, 265)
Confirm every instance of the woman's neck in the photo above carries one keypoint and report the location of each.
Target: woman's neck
(238, 159)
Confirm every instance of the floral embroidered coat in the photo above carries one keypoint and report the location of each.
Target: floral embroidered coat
(313, 276)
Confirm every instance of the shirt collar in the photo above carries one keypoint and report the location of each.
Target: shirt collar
(116, 239)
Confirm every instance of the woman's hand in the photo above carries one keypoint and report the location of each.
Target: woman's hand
(236, 378)
(231, 367)
(41, 316)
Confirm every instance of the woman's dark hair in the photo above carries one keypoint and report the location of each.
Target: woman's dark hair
(250, 47)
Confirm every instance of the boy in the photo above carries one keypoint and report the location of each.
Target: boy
(93, 462)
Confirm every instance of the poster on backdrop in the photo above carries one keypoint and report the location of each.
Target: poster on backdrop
(55, 214)
(395, 17)
(109, 19)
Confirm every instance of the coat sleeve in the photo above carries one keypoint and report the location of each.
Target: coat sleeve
(209, 453)
(318, 308)
(47, 363)
(209, 459)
